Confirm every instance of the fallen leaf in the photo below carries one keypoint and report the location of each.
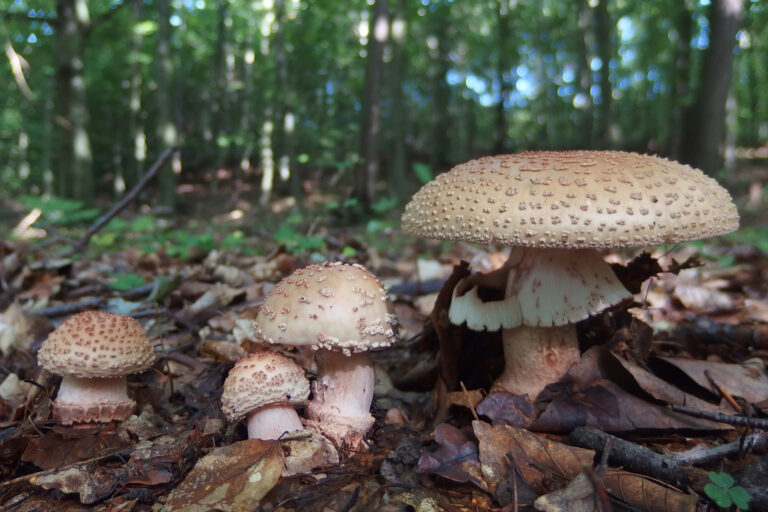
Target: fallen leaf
(14, 329)
(643, 493)
(606, 406)
(89, 481)
(747, 379)
(55, 449)
(539, 461)
(230, 478)
(455, 459)
(505, 408)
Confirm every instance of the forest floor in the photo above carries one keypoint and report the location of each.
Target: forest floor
(694, 338)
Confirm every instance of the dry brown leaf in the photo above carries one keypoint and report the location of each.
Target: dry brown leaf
(747, 379)
(55, 450)
(230, 478)
(538, 460)
(14, 329)
(455, 459)
(90, 481)
(645, 494)
(577, 496)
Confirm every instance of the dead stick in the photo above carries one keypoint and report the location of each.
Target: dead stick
(639, 459)
(117, 208)
(728, 419)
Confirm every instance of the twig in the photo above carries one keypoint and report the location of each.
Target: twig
(68, 309)
(725, 394)
(701, 456)
(728, 419)
(639, 459)
(469, 402)
(117, 208)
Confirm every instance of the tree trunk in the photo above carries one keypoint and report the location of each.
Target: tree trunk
(503, 75)
(604, 52)
(365, 186)
(398, 182)
(74, 174)
(440, 92)
(585, 105)
(135, 119)
(166, 127)
(680, 73)
(705, 130)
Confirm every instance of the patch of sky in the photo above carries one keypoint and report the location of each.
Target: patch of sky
(569, 73)
(701, 38)
(175, 20)
(46, 29)
(627, 29)
(596, 64)
(32, 39)
(565, 90)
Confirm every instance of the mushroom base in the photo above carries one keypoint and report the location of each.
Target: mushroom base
(272, 421)
(535, 357)
(343, 391)
(99, 400)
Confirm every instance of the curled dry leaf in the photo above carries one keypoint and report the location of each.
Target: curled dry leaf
(90, 481)
(230, 478)
(537, 460)
(455, 459)
(747, 379)
(506, 408)
(14, 329)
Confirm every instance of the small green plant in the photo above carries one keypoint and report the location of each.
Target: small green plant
(127, 281)
(294, 240)
(722, 492)
(58, 210)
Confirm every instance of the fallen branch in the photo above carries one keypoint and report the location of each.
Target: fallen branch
(125, 201)
(639, 459)
(701, 455)
(728, 419)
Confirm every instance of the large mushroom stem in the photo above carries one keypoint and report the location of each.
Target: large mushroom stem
(546, 291)
(99, 399)
(272, 421)
(343, 391)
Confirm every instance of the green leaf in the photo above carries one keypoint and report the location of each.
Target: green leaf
(384, 204)
(719, 495)
(145, 28)
(740, 497)
(723, 480)
(423, 173)
(125, 282)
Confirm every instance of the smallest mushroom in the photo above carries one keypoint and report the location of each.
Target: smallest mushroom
(265, 386)
(94, 351)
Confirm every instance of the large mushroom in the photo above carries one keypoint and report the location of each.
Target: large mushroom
(557, 210)
(94, 351)
(341, 312)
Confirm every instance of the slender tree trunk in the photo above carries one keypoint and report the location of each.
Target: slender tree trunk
(167, 136)
(398, 183)
(503, 75)
(365, 187)
(135, 119)
(680, 75)
(703, 137)
(440, 92)
(586, 40)
(74, 174)
(604, 53)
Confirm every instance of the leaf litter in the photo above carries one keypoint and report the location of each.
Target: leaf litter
(441, 442)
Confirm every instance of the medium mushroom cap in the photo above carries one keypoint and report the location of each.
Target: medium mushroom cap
(95, 344)
(334, 306)
(571, 200)
(261, 379)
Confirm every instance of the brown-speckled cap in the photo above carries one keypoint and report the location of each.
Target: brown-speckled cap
(260, 379)
(571, 199)
(97, 344)
(334, 306)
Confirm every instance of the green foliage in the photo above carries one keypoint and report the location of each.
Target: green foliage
(423, 173)
(126, 281)
(722, 492)
(58, 211)
(295, 241)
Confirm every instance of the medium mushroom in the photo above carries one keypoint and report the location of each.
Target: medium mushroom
(557, 210)
(265, 386)
(94, 351)
(341, 311)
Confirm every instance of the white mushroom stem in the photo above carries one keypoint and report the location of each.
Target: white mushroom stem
(546, 292)
(272, 421)
(92, 391)
(343, 391)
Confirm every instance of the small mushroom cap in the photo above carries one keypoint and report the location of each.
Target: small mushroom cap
(95, 344)
(571, 199)
(261, 379)
(334, 306)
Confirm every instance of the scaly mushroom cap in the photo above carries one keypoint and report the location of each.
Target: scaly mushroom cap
(95, 344)
(261, 379)
(334, 306)
(571, 200)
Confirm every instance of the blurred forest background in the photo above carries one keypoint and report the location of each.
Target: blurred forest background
(273, 99)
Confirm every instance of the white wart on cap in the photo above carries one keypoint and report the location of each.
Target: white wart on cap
(265, 386)
(555, 209)
(93, 351)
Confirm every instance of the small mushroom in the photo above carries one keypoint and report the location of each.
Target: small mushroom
(557, 210)
(342, 312)
(264, 386)
(94, 351)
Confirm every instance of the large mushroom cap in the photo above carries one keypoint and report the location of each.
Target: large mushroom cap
(571, 199)
(260, 379)
(334, 306)
(97, 344)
